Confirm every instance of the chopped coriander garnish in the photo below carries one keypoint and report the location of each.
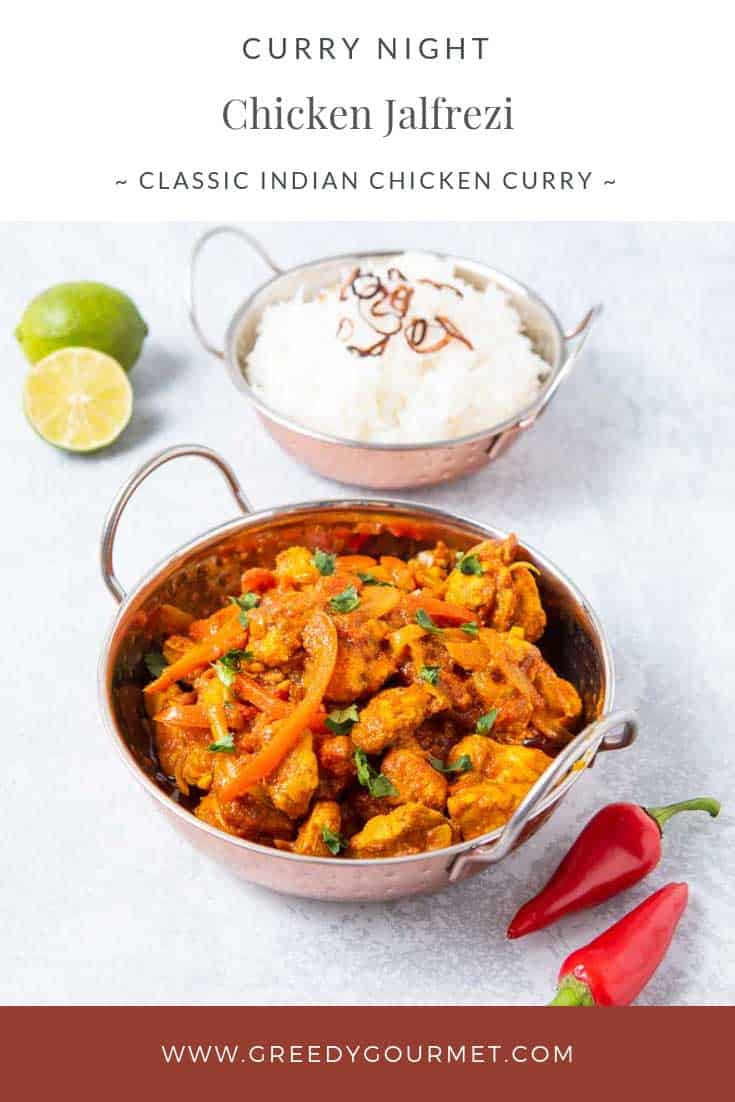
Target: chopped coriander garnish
(155, 662)
(370, 579)
(341, 721)
(346, 601)
(245, 603)
(224, 673)
(461, 765)
(368, 776)
(425, 621)
(229, 664)
(470, 564)
(470, 628)
(324, 562)
(224, 745)
(333, 841)
(430, 674)
(485, 723)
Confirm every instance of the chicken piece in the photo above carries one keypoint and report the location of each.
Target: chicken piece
(416, 780)
(502, 595)
(247, 817)
(251, 816)
(512, 700)
(514, 645)
(451, 688)
(502, 617)
(183, 755)
(481, 751)
(477, 591)
(408, 742)
(452, 691)
(479, 808)
(485, 797)
(276, 626)
(364, 660)
(310, 838)
(195, 769)
(295, 567)
(293, 784)
(335, 754)
(495, 761)
(411, 828)
(473, 591)
(182, 751)
(518, 764)
(506, 683)
(561, 703)
(255, 734)
(528, 613)
(391, 715)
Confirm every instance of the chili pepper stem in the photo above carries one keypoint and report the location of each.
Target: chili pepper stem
(572, 993)
(661, 815)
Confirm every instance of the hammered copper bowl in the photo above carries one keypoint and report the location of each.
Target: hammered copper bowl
(199, 576)
(387, 466)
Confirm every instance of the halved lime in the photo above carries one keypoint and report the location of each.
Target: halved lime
(78, 399)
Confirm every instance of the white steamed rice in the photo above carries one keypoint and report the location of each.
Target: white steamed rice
(300, 367)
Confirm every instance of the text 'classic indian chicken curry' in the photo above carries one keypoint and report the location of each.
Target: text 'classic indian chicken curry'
(360, 707)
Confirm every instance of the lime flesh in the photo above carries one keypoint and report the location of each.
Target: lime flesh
(78, 399)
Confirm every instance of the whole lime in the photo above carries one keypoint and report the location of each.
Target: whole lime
(82, 315)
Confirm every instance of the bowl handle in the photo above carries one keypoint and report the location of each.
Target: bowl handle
(109, 529)
(194, 267)
(614, 731)
(578, 334)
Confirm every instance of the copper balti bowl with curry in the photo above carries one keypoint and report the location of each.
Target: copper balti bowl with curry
(354, 700)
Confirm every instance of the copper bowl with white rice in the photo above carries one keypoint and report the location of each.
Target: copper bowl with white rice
(392, 370)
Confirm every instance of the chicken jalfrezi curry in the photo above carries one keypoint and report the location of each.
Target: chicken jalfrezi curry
(362, 707)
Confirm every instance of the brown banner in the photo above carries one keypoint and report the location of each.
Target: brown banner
(145, 1052)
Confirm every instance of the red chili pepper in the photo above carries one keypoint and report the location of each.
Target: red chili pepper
(614, 968)
(618, 847)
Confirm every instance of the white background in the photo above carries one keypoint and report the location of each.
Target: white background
(636, 91)
(626, 483)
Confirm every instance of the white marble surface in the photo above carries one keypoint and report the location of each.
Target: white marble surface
(627, 484)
